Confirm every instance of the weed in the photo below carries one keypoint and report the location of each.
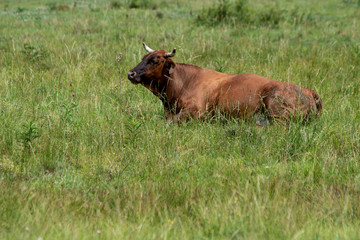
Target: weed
(271, 17)
(133, 127)
(240, 12)
(34, 54)
(224, 11)
(29, 134)
(115, 4)
(68, 112)
(159, 14)
(20, 9)
(147, 4)
(297, 17)
(219, 65)
(351, 3)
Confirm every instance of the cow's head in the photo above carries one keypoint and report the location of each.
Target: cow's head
(154, 66)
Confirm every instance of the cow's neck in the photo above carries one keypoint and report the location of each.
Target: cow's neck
(181, 79)
(175, 84)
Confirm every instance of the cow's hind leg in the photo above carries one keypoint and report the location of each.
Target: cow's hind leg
(285, 102)
(262, 118)
(277, 110)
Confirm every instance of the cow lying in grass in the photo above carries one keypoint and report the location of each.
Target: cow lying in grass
(189, 91)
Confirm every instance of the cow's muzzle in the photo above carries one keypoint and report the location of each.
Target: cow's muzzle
(133, 77)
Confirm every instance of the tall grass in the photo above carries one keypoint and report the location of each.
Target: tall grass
(239, 12)
(84, 154)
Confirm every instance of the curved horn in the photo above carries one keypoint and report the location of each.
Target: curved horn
(147, 48)
(171, 54)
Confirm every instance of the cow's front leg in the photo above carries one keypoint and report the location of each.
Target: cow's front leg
(171, 117)
(186, 114)
(168, 114)
(183, 115)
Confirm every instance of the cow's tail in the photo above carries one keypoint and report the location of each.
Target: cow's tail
(318, 102)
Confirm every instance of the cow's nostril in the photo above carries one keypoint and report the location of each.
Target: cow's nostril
(131, 75)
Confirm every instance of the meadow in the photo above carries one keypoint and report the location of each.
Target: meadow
(85, 154)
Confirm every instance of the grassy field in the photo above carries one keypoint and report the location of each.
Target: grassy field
(85, 154)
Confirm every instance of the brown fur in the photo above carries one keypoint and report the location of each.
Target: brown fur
(191, 91)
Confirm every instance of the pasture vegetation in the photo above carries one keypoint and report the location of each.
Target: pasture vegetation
(84, 154)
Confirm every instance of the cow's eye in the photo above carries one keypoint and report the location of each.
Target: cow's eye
(153, 61)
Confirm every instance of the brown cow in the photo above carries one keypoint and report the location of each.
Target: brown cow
(191, 91)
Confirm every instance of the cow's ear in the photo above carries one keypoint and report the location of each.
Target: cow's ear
(171, 70)
(169, 65)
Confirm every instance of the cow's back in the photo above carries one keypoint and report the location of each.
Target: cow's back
(241, 93)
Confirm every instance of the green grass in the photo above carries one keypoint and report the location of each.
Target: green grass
(84, 154)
